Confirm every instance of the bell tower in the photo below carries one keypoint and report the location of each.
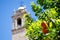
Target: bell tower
(17, 18)
(18, 30)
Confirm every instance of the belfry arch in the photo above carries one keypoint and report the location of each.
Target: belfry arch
(19, 21)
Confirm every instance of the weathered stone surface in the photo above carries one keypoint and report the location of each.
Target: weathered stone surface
(19, 35)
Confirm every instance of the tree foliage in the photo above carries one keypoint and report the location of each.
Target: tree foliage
(47, 26)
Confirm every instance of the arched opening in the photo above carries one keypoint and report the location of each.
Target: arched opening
(19, 21)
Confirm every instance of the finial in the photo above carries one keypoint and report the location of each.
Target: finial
(21, 3)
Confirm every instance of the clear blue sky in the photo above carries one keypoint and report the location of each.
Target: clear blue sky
(6, 11)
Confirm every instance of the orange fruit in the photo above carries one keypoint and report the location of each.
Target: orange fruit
(43, 24)
(44, 31)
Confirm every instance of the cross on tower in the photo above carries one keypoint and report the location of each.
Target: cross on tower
(21, 3)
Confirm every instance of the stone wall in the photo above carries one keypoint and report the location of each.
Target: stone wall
(19, 35)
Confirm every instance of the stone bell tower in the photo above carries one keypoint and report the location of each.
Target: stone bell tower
(18, 31)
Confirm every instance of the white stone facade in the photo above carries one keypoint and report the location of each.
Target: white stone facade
(19, 35)
(18, 31)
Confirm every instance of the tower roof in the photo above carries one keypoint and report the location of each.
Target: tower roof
(23, 7)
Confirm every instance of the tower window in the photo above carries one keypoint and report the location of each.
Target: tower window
(19, 21)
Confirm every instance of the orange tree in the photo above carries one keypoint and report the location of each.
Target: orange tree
(47, 26)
